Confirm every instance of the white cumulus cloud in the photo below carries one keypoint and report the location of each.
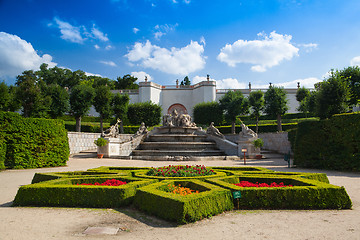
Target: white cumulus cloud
(97, 34)
(355, 61)
(174, 61)
(69, 32)
(263, 54)
(17, 55)
(141, 76)
(109, 63)
(136, 30)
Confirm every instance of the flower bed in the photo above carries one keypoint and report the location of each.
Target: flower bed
(180, 171)
(250, 184)
(109, 182)
(183, 191)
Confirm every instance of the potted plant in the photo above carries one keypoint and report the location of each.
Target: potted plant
(100, 142)
(258, 143)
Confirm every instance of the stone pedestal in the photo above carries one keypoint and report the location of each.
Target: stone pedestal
(248, 144)
(111, 149)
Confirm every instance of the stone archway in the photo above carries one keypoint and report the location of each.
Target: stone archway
(181, 109)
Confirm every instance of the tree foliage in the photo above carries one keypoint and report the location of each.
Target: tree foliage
(302, 93)
(81, 99)
(120, 105)
(332, 96)
(351, 76)
(4, 97)
(233, 104)
(185, 82)
(126, 82)
(147, 112)
(276, 103)
(256, 102)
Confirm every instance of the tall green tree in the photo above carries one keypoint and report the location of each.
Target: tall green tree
(29, 92)
(126, 82)
(4, 97)
(233, 104)
(59, 100)
(332, 97)
(351, 75)
(276, 103)
(102, 103)
(302, 96)
(81, 99)
(120, 105)
(256, 102)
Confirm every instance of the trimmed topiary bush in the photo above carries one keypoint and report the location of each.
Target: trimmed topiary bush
(146, 112)
(329, 144)
(210, 200)
(33, 142)
(207, 112)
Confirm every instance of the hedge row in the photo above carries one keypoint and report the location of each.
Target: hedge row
(310, 191)
(305, 193)
(71, 127)
(285, 116)
(32, 142)
(2, 151)
(66, 192)
(329, 144)
(210, 201)
(262, 128)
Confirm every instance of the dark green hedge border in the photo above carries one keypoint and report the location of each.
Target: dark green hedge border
(32, 142)
(65, 193)
(210, 201)
(306, 193)
(262, 128)
(311, 191)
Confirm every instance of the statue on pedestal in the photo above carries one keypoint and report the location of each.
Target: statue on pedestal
(113, 131)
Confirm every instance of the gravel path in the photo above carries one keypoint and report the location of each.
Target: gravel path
(70, 223)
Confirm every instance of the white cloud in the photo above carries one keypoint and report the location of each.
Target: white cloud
(108, 47)
(309, 47)
(96, 46)
(69, 32)
(93, 74)
(162, 30)
(17, 55)
(97, 34)
(109, 63)
(187, 1)
(202, 41)
(263, 54)
(136, 30)
(174, 61)
(141, 76)
(355, 61)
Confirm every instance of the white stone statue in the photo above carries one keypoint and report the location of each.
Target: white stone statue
(113, 131)
(214, 131)
(141, 131)
(246, 132)
(176, 120)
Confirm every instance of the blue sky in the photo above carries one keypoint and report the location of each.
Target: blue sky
(235, 41)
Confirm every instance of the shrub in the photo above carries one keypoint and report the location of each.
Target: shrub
(209, 201)
(146, 112)
(258, 143)
(207, 112)
(32, 142)
(262, 128)
(2, 151)
(100, 142)
(329, 144)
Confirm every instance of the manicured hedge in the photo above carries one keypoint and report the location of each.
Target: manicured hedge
(329, 144)
(147, 112)
(305, 193)
(66, 192)
(207, 112)
(262, 128)
(210, 201)
(71, 127)
(33, 142)
(2, 151)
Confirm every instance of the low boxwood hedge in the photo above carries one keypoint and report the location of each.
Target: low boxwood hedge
(66, 193)
(210, 201)
(305, 193)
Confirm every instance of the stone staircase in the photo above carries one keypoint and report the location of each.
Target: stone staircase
(177, 142)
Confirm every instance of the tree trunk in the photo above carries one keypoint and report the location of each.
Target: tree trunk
(257, 124)
(78, 124)
(279, 127)
(233, 127)
(101, 125)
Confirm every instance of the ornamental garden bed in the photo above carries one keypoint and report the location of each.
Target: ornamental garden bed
(183, 196)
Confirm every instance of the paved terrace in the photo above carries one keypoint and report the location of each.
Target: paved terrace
(73, 223)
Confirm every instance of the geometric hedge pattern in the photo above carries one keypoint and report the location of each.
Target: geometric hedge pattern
(216, 192)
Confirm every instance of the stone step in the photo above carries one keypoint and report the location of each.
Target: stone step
(177, 145)
(177, 138)
(205, 152)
